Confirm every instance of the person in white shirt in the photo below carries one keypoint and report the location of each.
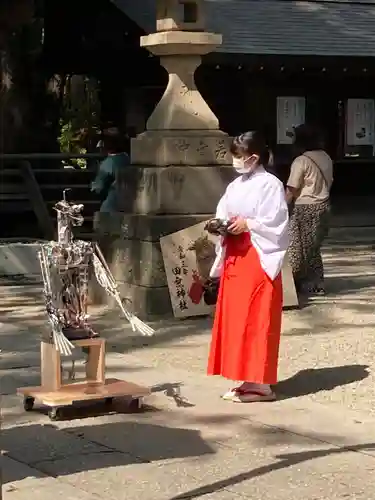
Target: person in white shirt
(246, 331)
(308, 187)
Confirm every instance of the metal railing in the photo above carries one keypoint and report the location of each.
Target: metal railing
(50, 156)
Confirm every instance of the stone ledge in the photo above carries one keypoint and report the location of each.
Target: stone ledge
(181, 42)
(143, 227)
(172, 190)
(206, 148)
(146, 302)
(134, 261)
(20, 259)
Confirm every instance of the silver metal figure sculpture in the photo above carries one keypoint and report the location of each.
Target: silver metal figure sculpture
(66, 267)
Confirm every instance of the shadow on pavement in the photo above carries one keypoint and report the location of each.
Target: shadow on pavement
(60, 452)
(23, 314)
(346, 285)
(311, 381)
(167, 330)
(173, 391)
(284, 462)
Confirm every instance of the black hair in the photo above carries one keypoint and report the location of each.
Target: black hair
(252, 143)
(114, 143)
(307, 138)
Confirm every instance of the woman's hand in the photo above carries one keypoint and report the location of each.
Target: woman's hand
(238, 226)
(291, 194)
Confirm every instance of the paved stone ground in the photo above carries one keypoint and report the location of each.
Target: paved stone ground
(315, 443)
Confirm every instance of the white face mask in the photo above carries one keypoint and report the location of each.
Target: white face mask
(242, 166)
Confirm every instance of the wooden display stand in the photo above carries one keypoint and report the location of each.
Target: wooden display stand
(56, 395)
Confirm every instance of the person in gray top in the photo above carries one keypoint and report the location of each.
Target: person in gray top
(308, 190)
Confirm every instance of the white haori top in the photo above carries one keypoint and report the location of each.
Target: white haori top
(260, 199)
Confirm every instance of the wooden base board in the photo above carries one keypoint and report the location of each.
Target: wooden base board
(85, 391)
(290, 298)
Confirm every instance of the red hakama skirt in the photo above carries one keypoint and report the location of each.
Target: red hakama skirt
(246, 332)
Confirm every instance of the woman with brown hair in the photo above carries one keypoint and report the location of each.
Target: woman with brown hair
(246, 331)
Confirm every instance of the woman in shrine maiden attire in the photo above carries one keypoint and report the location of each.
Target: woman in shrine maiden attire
(246, 331)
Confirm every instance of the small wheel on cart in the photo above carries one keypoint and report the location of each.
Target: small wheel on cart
(108, 401)
(54, 413)
(136, 404)
(28, 403)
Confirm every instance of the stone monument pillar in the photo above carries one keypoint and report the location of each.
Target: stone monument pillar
(179, 165)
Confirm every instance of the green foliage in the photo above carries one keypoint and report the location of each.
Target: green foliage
(69, 144)
(79, 122)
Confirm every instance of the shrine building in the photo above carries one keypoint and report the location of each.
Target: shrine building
(282, 62)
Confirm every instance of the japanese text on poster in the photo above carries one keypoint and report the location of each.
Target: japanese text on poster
(290, 114)
(360, 115)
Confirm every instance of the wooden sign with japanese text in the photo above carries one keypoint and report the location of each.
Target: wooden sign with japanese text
(188, 256)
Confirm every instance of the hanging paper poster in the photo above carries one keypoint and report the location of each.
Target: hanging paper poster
(360, 115)
(290, 114)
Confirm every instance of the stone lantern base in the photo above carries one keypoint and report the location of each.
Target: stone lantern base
(180, 164)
